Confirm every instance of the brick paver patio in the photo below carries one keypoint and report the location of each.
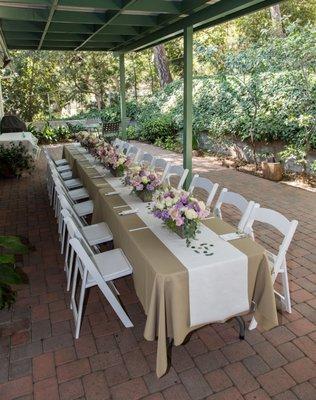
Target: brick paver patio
(40, 359)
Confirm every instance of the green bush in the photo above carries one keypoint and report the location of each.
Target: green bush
(53, 135)
(157, 127)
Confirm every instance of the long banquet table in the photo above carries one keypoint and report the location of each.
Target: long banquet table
(161, 281)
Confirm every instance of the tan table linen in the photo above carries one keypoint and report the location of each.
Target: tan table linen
(161, 281)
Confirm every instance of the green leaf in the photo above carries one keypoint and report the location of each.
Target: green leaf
(7, 259)
(13, 243)
(9, 276)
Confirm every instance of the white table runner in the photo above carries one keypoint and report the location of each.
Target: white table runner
(218, 284)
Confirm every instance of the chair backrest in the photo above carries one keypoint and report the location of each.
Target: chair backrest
(279, 222)
(125, 147)
(237, 200)
(68, 210)
(134, 153)
(161, 164)
(177, 170)
(88, 264)
(205, 184)
(146, 158)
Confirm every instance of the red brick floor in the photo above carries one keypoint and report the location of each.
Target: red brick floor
(40, 359)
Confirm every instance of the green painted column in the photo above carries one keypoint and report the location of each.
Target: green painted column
(187, 98)
(123, 94)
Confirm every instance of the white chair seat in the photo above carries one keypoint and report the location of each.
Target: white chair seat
(63, 161)
(63, 168)
(97, 233)
(84, 208)
(82, 150)
(73, 183)
(112, 265)
(78, 194)
(66, 175)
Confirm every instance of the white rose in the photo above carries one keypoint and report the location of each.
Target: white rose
(202, 205)
(190, 213)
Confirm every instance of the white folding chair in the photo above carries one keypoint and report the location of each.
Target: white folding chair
(162, 165)
(75, 194)
(205, 184)
(134, 153)
(82, 209)
(237, 200)
(98, 270)
(146, 159)
(277, 262)
(59, 163)
(92, 234)
(176, 170)
(125, 147)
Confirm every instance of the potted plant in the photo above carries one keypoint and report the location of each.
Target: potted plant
(271, 168)
(179, 211)
(14, 160)
(144, 182)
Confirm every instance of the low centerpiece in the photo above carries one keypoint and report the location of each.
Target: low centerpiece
(144, 182)
(180, 211)
(116, 162)
(88, 140)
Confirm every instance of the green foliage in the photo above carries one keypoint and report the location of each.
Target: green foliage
(14, 160)
(295, 153)
(53, 135)
(313, 167)
(131, 133)
(159, 126)
(9, 274)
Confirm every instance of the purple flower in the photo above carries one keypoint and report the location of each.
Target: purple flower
(150, 187)
(165, 215)
(140, 187)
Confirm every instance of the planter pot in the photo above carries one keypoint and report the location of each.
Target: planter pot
(117, 172)
(145, 195)
(272, 171)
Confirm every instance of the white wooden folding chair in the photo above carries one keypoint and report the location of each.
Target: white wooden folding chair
(134, 153)
(92, 234)
(176, 170)
(75, 194)
(205, 184)
(59, 163)
(98, 270)
(146, 159)
(82, 209)
(125, 147)
(237, 200)
(277, 262)
(160, 164)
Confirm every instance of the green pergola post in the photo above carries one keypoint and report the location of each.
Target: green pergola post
(122, 94)
(187, 109)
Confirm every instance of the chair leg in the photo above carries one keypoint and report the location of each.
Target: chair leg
(286, 290)
(70, 267)
(117, 307)
(80, 305)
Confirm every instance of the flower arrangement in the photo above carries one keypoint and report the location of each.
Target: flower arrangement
(179, 211)
(144, 181)
(116, 162)
(88, 140)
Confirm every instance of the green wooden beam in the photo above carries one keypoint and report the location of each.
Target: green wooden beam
(49, 20)
(222, 9)
(187, 7)
(122, 94)
(187, 102)
(110, 18)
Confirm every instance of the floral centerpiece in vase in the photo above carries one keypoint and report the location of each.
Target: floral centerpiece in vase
(116, 162)
(180, 211)
(144, 182)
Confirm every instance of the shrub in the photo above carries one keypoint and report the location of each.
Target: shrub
(9, 274)
(159, 127)
(50, 134)
(14, 160)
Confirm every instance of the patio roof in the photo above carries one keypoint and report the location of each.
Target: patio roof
(111, 25)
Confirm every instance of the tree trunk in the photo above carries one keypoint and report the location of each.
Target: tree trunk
(162, 65)
(276, 17)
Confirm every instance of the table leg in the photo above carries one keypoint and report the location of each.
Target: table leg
(242, 327)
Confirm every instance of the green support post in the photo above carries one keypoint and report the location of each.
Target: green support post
(122, 95)
(187, 109)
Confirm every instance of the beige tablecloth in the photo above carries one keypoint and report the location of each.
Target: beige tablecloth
(161, 281)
